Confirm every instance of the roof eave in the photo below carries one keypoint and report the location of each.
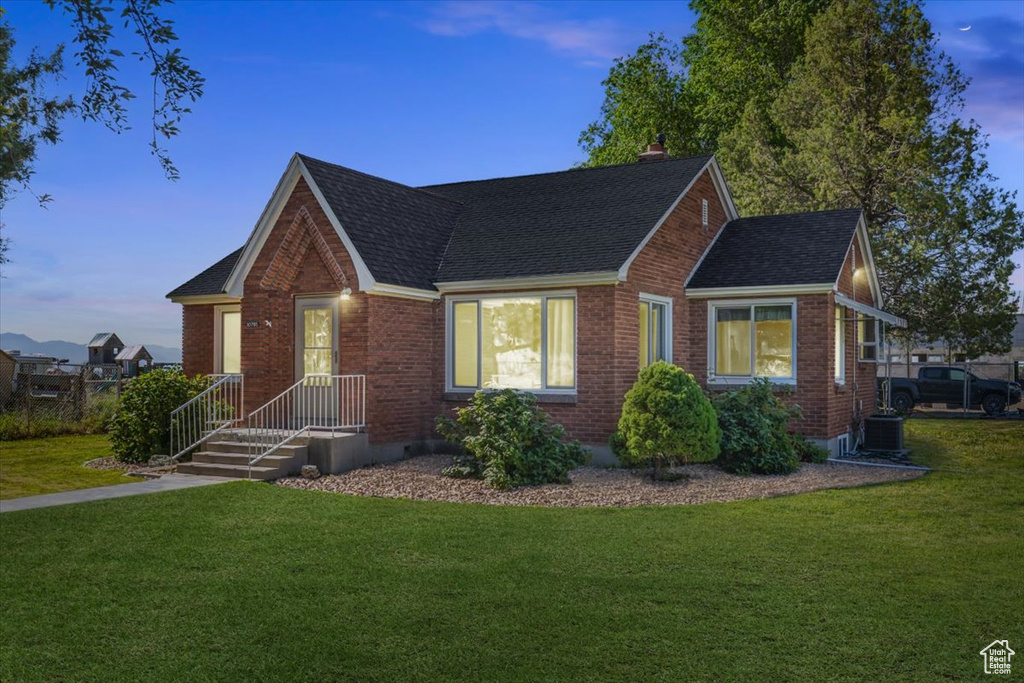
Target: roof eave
(604, 277)
(760, 290)
(190, 299)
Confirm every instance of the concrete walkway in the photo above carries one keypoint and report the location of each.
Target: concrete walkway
(168, 482)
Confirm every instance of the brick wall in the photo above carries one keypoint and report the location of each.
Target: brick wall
(197, 339)
(857, 392)
(608, 319)
(662, 268)
(291, 265)
(400, 373)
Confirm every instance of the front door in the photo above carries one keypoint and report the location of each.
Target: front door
(316, 359)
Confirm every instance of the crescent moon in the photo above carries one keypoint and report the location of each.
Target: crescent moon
(966, 28)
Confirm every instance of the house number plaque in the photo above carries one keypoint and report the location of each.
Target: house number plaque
(252, 323)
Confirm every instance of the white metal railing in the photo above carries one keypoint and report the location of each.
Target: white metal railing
(315, 402)
(217, 408)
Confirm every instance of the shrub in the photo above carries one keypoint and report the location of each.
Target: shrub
(666, 420)
(140, 426)
(808, 451)
(509, 442)
(755, 430)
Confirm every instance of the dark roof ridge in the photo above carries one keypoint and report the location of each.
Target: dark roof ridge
(383, 180)
(574, 169)
(798, 213)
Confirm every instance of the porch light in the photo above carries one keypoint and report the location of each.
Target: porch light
(346, 293)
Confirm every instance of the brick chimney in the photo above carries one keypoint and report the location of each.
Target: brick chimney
(655, 152)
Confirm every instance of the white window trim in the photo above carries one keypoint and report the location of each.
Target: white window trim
(840, 361)
(449, 346)
(712, 342)
(218, 334)
(861, 344)
(666, 301)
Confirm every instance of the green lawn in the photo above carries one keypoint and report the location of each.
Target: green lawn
(248, 581)
(35, 466)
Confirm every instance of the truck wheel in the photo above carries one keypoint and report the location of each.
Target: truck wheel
(993, 404)
(902, 402)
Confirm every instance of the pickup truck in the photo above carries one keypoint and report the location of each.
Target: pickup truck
(939, 384)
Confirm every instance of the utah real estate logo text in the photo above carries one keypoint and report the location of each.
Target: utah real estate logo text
(997, 657)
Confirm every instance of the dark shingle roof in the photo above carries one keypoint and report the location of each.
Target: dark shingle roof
(576, 221)
(399, 231)
(211, 280)
(792, 249)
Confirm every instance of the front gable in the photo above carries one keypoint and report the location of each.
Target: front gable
(297, 191)
(302, 236)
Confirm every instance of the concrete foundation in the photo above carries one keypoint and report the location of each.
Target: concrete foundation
(337, 453)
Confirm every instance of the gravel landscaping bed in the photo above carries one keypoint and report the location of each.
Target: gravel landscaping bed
(112, 463)
(420, 478)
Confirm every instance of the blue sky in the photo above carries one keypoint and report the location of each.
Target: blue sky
(415, 92)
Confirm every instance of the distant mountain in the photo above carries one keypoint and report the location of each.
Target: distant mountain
(75, 353)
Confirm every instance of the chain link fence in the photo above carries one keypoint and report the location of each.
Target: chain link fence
(63, 393)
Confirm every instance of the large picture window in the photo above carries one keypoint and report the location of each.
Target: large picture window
(518, 342)
(227, 339)
(655, 330)
(753, 340)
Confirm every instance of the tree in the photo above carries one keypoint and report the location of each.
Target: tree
(696, 90)
(666, 419)
(739, 56)
(644, 95)
(820, 105)
(30, 115)
(870, 118)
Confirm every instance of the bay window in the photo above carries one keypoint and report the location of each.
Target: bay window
(655, 329)
(518, 342)
(753, 340)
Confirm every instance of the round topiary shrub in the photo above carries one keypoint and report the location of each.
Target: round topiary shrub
(666, 420)
(141, 424)
(509, 442)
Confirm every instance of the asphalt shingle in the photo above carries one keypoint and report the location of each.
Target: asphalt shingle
(211, 280)
(582, 220)
(790, 249)
(399, 231)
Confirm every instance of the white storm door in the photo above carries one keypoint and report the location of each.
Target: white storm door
(316, 359)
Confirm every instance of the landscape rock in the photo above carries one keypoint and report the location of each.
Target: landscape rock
(420, 478)
(310, 472)
(161, 461)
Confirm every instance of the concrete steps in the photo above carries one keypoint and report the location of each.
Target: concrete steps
(230, 458)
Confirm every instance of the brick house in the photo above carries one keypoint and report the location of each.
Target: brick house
(564, 284)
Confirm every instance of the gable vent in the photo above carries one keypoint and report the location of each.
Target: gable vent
(704, 212)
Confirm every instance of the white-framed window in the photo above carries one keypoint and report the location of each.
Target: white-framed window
(752, 338)
(227, 339)
(518, 341)
(655, 329)
(867, 338)
(840, 346)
